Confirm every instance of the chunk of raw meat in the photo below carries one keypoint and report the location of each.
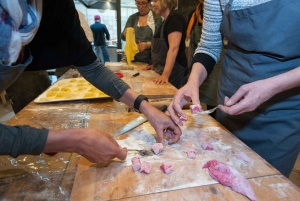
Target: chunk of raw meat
(169, 134)
(243, 156)
(183, 118)
(146, 167)
(207, 146)
(157, 148)
(136, 164)
(195, 108)
(230, 177)
(191, 153)
(166, 167)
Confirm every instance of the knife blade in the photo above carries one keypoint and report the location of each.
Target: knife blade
(134, 123)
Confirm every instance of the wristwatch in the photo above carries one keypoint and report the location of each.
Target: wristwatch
(138, 102)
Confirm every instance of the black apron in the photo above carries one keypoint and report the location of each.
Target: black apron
(9, 74)
(143, 34)
(159, 50)
(264, 41)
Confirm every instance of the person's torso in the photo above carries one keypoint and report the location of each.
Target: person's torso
(98, 30)
(175, 22)
(61, 36)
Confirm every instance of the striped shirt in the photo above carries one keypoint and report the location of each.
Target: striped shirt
(210, 46)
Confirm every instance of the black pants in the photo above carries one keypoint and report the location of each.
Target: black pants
(26, 88)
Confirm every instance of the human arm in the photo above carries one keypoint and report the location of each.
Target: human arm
(206, 55)
(249, 96)
(104, 79)
(174, 39)
(190, 91)
(130, 22)
(106, 33)
(93, 144)
(142, 46)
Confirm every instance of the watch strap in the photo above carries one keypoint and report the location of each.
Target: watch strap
(138, 102)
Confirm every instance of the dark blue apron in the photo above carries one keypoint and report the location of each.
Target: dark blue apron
(264, 41)
(143, 34)
(159, 51)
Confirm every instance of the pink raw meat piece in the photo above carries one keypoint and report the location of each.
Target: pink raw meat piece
(157, 148)
(243, 156)
(191, 153)
(166, 167)
(195, 108)
(146, 167)
(136, 164)
(169, 134)
(207, 146)
(230, 177)
(183, 118)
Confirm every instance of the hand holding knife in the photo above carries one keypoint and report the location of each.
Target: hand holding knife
(136, 122)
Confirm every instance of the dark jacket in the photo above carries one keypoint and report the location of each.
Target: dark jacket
(99, 32)
(60, 40)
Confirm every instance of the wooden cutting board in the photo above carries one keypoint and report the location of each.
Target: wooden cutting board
(116, 180)
(149, 88)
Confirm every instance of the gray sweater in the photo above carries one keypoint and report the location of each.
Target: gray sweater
(17, 140)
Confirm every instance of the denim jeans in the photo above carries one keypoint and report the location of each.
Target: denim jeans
(102, 53)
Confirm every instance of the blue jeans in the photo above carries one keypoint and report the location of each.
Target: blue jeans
(102, 53)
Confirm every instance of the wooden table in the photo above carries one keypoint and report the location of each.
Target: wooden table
(70, 177)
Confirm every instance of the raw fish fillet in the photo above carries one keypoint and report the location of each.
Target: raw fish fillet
(207, 146)
(157, 148)
(136, 164)
(166, 167)
(243, 156)
(146, 167)
(195, 108)
(191, 153)
(230, 177)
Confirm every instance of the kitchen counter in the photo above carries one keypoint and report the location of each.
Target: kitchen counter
(68, 176)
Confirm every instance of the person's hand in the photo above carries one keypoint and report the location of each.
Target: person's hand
(142, 46)
(188, 92)
(162, 123)
(248, 97)
(162, 79)
(125, 31)
(93, 144)
(148, 67)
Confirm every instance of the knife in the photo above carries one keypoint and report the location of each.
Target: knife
(134, 123)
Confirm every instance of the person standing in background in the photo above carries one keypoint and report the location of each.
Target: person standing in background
(168, 45)
(145, 23)
(100, 32)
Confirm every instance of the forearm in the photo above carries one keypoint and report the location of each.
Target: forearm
(104, 79)
(148, 45)
(18, 140)
(61, 141)
(285, 81)
(170, 61)
(198, 74)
